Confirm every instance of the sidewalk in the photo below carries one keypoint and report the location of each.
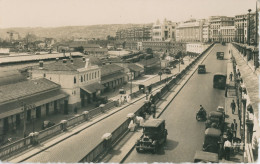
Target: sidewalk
(229, 117)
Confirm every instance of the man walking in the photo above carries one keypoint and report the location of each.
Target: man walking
(227, 147)
(230, 76)
(233, 106)
(238, 73)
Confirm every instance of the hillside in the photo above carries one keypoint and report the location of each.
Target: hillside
(70, 32)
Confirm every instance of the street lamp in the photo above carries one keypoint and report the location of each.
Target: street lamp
(244, 19)
(248, 31)
(131, 83)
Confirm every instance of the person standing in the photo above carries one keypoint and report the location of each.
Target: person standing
(234, 128)
(230, 76)
(227, 147)
(238, 73)
(233, 106)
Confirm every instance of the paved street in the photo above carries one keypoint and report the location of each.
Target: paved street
(185, 134)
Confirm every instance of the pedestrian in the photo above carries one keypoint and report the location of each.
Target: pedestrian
(230, 76)
(238, 73)
(227, 147)
(233, 106)
(234, 128)
(153, 110)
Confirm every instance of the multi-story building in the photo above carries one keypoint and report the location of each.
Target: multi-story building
(216, 23)
(163, 31)
(242, 25)
(206, 32)
(134, 34)
(227, 33)
(77, 77)
(196, 47)
(190, 31)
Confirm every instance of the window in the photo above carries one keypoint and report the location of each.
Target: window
(81, 78)
(95, 75)
(44, 75)
(84, 77)
(87, 77)
(92, 75)
(75, 81)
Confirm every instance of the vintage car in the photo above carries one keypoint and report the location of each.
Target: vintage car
(220, 55)
(215, 120)
(167, 71)
(122, 91)
(46, 124)
(219, 80)
(201, 68)
(205, 157)
(212, 140)
(154, 135)
(101, 100)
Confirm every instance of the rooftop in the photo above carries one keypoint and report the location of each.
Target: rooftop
(109, 69)
(153, 123)
(22, 89)
(68, 66)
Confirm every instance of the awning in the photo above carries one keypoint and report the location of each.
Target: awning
(92, 88)
(13, 108)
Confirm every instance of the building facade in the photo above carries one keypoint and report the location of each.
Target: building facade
(242, 23)
(78, 78)
(190, 31)
(163, 31)
(30, 99)
(196, 47)
(134, 34)
(227, 33)
(216, 23)
(206, 32)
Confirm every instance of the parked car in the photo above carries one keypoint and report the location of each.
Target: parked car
(167, 71)
(201, 68)
(154, 135)
(212, 140)
(215, 120)
(220, 55)
(46, 124)
(122, 91)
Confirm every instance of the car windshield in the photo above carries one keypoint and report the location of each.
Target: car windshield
(150, 130)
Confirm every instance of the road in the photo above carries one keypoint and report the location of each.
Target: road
(185, 134)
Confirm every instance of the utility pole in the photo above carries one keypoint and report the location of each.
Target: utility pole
(24, 118)
(248, 31)
(131, 83)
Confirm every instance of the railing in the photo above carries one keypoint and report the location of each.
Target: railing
(15, 147)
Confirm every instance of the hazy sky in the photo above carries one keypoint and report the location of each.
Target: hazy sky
(51, 13)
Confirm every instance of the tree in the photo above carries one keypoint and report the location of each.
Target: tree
(149, 51)
(179, 55)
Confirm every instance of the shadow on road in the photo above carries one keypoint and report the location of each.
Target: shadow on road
(170, 144)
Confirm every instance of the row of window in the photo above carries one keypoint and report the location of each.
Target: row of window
(86, 77)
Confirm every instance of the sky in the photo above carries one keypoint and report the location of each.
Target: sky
(54, 13)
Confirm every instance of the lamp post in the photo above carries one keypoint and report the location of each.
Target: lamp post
(244, 19)
(24, 108)
(131, 84)
(248, 31)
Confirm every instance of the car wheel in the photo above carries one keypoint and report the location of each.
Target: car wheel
(138, 150)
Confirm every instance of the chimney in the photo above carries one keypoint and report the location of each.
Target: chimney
(86, 65)
(40, 64)
(84, 60)
(57, 59)
(64, 60)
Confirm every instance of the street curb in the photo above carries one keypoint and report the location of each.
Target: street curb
(132, 148)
